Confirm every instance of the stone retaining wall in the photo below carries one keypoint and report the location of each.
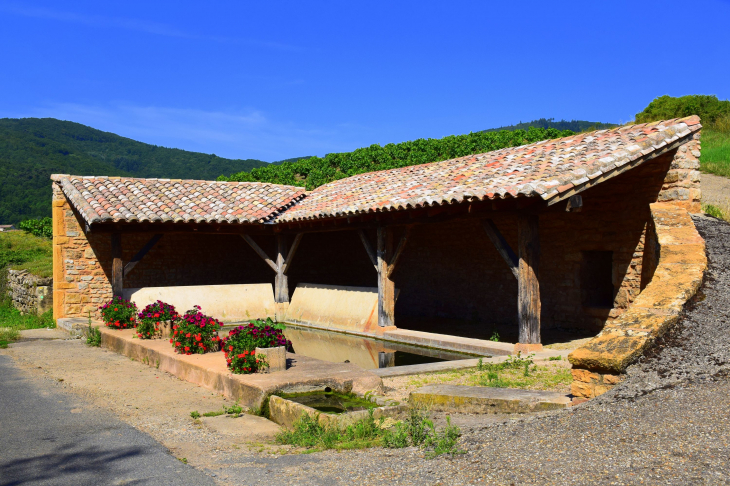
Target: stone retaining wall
(680, 265)
(30, 293)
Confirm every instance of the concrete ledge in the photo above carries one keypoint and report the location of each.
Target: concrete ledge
(682, 262)
(226, 303)
(209, 370)
(451, 343)
(477, 399)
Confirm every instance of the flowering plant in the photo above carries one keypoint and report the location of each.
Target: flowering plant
(118, 313)
(153, 317)
(195, 333)
(240, 345)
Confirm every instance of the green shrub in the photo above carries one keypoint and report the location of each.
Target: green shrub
(709, 108)
(38, 227)
(315, 171)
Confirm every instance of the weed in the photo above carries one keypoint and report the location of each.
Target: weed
(234, 409)
(444, 441)
(715, 212)
(157, 364)
(195, 414)
(214, 414)
(494, 337)
(480, 365)
(184, 460)
(93, 335)
(555, 358)
(527, 370)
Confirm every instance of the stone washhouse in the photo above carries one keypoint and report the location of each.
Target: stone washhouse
(559, 235)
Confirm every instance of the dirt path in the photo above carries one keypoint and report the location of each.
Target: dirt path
(716, 191)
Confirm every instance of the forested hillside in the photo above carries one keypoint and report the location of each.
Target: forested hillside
(31, 149)
(572, 125)
(315, 171)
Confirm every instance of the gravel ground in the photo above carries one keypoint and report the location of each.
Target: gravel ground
(667, 423)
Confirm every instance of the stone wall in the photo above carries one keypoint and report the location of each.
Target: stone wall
(599, 364)
(30, 293)
(80, 283)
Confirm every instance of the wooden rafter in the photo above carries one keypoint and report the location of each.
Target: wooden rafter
(368, 248)
(399, 250)
(260, 252)
(503, 248)
(141, 253)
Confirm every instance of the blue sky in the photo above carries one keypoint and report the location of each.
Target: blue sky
(272, 80)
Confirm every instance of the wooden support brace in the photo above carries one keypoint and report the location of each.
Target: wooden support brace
(528, 284)
(281, 283)
(502, 246)
(386, 287)
(292, 252)
(117, 267)
(260, 252)
(368, 249)
(141, 253)
(399, 250)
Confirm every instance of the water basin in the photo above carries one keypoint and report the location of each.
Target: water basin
(331, 402)
(365, 352)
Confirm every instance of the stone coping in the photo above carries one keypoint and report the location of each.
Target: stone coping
(209, 370)
(680, 269)
(460, 364)
(479, 399)
(285, 412)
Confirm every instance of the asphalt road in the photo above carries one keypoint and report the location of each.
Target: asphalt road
(51, 438)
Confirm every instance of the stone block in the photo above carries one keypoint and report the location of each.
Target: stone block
(477, 399)
(275, 358)
(585, 376)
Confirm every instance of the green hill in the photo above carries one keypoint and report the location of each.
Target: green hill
(572, 125)
(31, 149)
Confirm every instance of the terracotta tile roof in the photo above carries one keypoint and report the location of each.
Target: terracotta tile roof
(113, 199)
(544, 169)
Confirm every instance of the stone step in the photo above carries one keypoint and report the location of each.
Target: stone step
(479, 399)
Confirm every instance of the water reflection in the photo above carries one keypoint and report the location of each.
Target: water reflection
(364, 352)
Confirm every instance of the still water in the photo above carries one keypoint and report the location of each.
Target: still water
(364, 352)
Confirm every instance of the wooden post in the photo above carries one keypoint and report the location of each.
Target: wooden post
(528, 284)
(386, 287)
(281, 283)
(117, 266)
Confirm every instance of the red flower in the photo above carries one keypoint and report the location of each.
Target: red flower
(198, 337)
(177, 344)
(170, 341)
(187, 348)
(187, 335)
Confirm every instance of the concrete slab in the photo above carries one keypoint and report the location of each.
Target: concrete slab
(452, 343)
(477, 399)
(209, 370)
(75, 326)
(245, 427)
(44, 334)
